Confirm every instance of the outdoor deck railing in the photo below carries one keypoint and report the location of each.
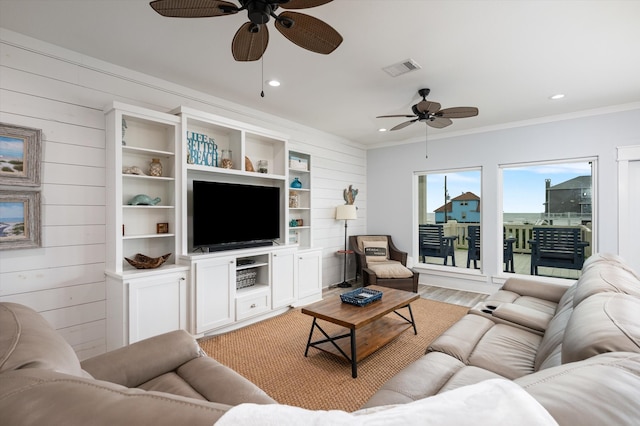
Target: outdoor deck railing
(521, 232)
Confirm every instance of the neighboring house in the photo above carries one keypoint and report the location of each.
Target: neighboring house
(572, 196)
(464, 208)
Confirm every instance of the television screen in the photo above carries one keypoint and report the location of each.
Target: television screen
(229, 215)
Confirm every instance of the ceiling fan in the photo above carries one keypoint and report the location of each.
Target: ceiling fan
(250, 41)
(430, 113)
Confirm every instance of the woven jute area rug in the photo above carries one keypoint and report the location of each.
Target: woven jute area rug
(271, 355)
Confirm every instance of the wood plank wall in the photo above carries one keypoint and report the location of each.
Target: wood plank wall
(64, 93)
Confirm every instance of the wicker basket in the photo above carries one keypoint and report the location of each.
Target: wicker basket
(246, 278)
(361, 296)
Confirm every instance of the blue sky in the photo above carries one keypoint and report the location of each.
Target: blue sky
(523, 189)
(11, 147)
(11, 210)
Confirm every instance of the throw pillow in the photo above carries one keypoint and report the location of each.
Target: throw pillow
(376, 251)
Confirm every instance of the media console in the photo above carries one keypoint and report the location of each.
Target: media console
(234, 288)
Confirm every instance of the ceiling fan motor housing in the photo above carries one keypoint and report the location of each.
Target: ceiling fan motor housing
(260, 11)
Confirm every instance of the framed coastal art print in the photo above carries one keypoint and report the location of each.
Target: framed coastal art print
(20, 149)
(19, 219)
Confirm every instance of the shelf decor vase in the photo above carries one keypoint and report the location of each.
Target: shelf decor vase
(155, 168)
(296, 183)
(294, 200)
(227, 162)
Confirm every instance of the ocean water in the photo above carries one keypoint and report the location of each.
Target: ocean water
(520, 218)
(11, 219)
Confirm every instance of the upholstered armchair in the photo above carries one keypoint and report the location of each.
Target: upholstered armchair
(380, 262)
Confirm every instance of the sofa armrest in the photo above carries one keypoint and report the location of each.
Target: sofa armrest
(527, 317)
(142, 361)
(552, 292)
(33, 396)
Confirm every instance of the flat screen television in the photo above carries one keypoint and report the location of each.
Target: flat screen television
(229, 216)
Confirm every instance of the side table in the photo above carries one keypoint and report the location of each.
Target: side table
(344, 283)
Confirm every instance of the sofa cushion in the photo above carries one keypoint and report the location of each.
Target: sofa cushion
(506, 350)
(601, 390)
(390, 269)
(27, 340)
(376, 251)
(492, 401)
(429, 375)
(478, 341)
(605, 322)
(605, 277)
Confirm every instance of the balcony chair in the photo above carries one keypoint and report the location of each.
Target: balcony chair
(433, 243)
(380, 262)
(473, 250)
(556, 248)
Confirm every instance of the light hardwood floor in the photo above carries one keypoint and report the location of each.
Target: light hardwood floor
(440, 294)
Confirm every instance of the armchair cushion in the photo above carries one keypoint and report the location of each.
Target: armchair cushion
(390, 269)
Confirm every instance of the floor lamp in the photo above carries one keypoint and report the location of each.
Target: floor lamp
(345, 212)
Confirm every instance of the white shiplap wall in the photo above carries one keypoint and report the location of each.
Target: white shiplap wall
(63, 93)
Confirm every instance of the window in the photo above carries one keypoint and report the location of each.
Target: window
(448, 203)
(548, 216)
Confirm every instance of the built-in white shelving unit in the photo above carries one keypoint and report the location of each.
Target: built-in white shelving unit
(300, 199)
(195, 290)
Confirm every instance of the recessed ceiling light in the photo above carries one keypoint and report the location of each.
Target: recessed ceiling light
(382, 130)
(273, 83)
(556, 96)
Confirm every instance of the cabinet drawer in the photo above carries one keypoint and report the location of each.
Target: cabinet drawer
(252, 304)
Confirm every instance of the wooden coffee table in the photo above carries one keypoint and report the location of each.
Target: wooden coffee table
(374, 329)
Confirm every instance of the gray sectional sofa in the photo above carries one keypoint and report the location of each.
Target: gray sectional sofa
(575, 349)
(531, 354)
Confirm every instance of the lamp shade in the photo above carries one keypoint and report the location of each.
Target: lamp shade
(346, 212)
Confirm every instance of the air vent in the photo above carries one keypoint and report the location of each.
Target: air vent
(403, 67)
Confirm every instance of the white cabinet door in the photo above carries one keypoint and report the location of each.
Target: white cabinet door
(214, 300)
(283, 288)
(309, 274)
(157, 305)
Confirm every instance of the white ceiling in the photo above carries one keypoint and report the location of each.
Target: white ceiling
(505, 57)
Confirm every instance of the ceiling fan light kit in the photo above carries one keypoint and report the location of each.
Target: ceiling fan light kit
(252, 38)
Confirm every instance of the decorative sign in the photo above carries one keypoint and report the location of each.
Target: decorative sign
(201, 150)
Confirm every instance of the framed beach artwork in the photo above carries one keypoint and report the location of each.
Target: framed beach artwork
(20, 149)
(19, 219)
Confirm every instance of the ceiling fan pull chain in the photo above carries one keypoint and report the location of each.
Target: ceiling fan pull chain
(262, 66)
(426, 142)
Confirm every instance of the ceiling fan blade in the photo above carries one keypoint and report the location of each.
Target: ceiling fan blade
(250, 42)
(458, 112)
(403, 125)
(308, 32)
(395, 116)
(303, 4)
(439, 122)
(193, 8)
(427, 106)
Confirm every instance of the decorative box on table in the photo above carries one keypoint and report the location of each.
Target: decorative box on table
(361, 296)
